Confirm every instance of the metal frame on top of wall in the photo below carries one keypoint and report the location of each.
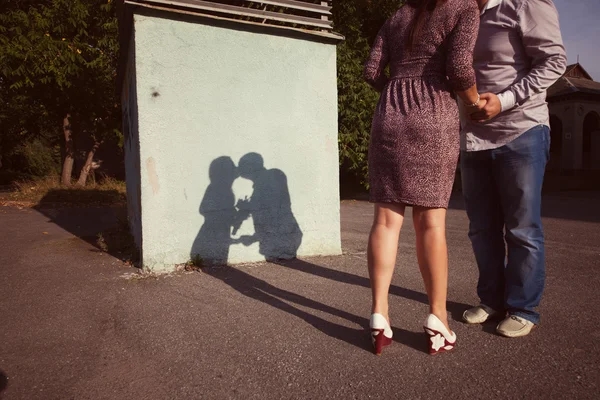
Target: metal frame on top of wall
(307, 14)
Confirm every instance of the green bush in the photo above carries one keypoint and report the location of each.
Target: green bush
(37, 159)
(359, 21)
(29, 160)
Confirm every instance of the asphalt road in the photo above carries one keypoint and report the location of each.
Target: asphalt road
(76, 323)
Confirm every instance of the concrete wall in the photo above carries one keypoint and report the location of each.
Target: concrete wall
(208, 95)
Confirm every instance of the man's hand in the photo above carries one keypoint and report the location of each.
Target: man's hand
(492, 108)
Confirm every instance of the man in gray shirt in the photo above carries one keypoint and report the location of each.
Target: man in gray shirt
(504, 151)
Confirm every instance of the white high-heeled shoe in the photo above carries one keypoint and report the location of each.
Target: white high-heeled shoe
(440, 339)
(381, 333)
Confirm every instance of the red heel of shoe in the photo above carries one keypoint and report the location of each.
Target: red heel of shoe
(440, 339)
(381, 333)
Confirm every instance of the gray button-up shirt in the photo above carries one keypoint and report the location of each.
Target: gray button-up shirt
(519, 54)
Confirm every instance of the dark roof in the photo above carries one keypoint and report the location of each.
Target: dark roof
(577, 71)
(568, 84)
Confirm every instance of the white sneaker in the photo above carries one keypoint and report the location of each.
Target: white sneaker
(479, 314)
(513, 326)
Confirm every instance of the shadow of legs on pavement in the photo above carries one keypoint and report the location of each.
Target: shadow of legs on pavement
(263, 291)
(455, 309)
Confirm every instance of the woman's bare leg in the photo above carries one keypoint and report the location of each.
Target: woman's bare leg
(432, 253)
(382, 250)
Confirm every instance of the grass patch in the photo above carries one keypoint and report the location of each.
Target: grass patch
(195, 264)
(101, 242)
(49, 191)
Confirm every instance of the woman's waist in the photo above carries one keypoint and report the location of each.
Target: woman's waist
(418, 69)
(427, 83)
(425, 76)
(422, 91)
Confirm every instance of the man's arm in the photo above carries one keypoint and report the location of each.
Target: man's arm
(542, 40)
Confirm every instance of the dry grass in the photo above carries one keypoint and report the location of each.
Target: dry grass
(50, 191)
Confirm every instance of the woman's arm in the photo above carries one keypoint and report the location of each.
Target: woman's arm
(374, 72)
(459, 57)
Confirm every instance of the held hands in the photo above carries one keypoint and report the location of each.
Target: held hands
(241, 215)
(470, 110)
(247, 240)
(488, 108)
(238, 220)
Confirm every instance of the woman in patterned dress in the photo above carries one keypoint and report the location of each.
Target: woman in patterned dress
(414, 148)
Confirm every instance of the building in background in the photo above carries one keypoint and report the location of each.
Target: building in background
(574, 102)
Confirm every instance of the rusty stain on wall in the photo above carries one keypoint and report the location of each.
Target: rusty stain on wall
(152, 175)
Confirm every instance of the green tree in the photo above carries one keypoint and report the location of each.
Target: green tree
(359, 21)
(57, 71)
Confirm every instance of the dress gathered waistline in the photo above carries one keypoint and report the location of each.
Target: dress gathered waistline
(417, 76)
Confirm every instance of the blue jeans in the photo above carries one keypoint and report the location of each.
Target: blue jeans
(503, 195)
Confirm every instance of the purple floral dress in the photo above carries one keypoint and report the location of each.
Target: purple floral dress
(415, 142)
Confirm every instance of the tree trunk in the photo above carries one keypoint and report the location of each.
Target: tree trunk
(70, 151)
(88, 165)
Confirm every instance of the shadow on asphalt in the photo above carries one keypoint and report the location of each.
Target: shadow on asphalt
(455, 309)
(3, 382)
(88, 223)
(490, 326)
(263, 291)
(258, 289)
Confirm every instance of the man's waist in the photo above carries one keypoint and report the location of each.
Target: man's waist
(514, 121)
(497, 79)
